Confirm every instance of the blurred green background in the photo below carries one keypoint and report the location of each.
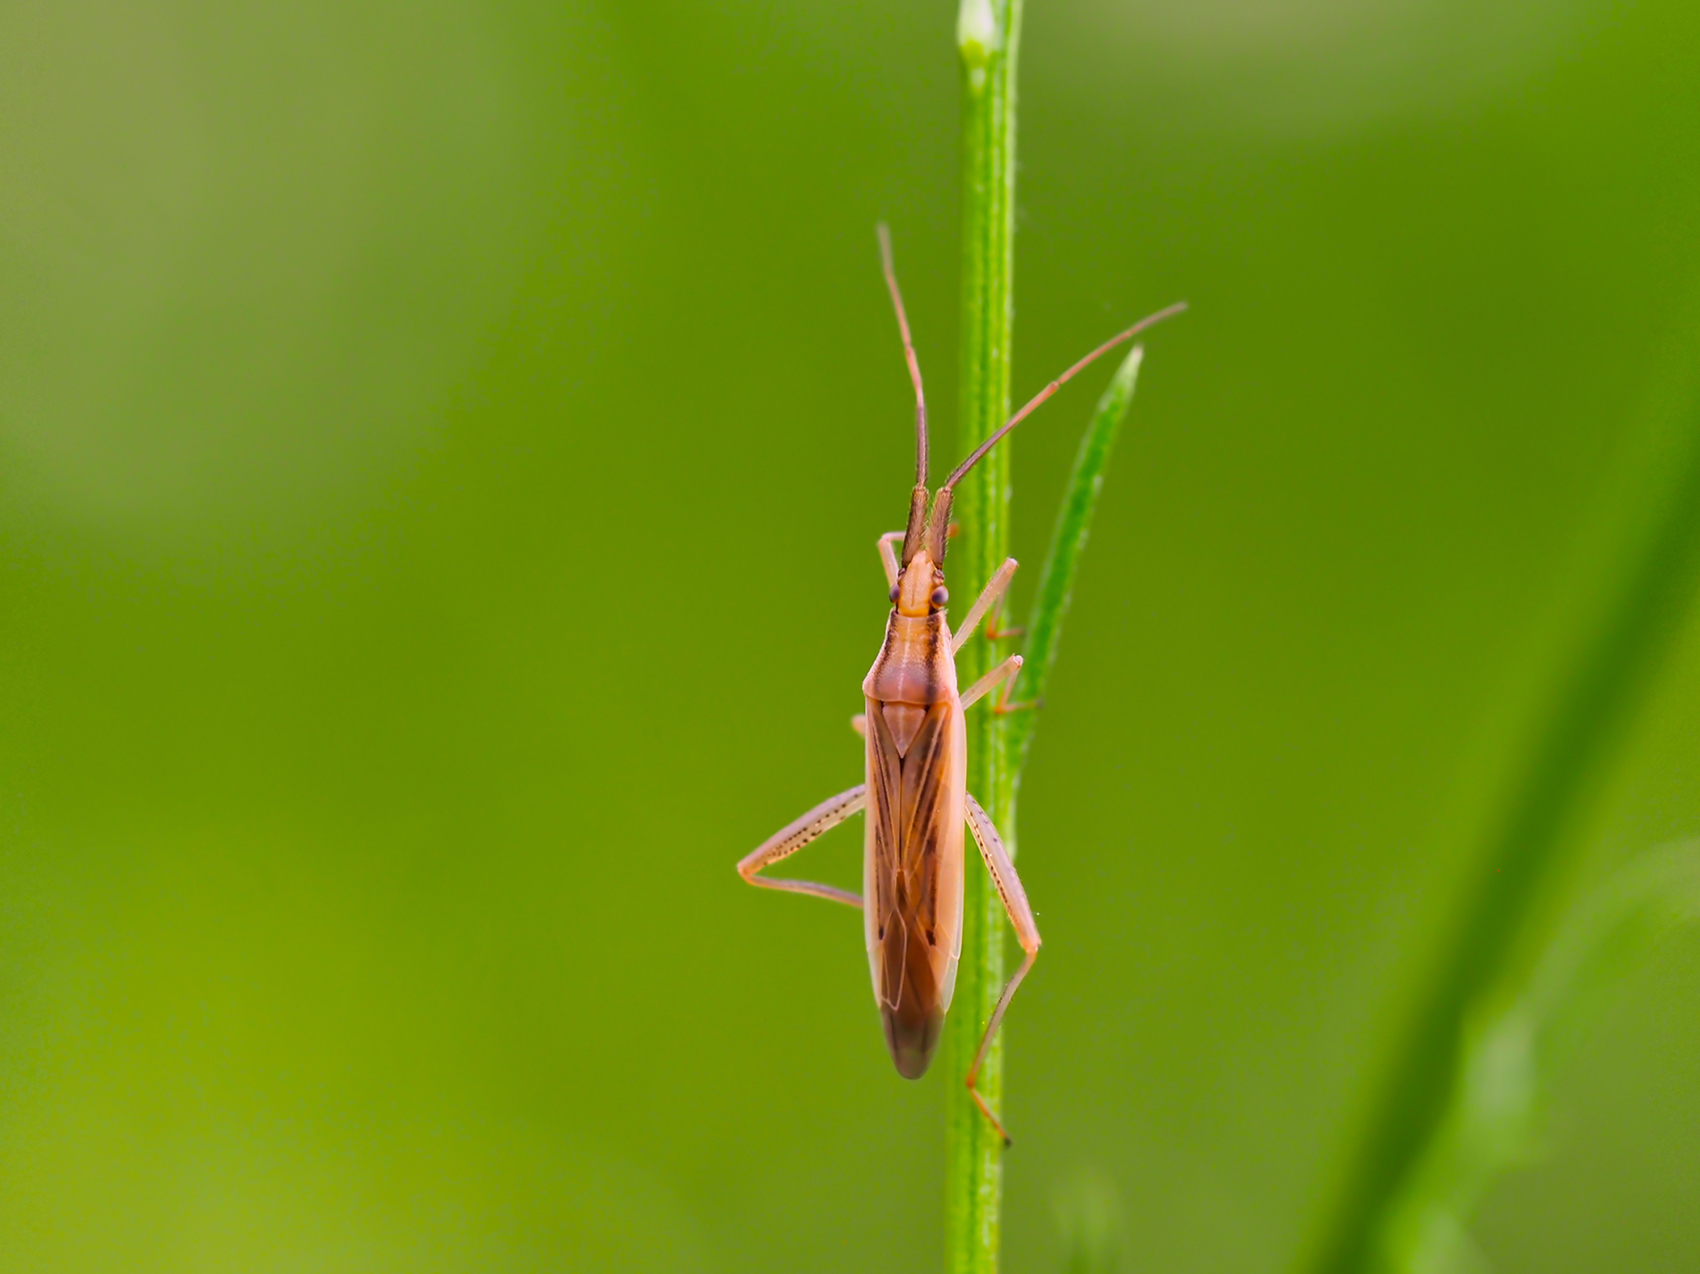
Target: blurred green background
(441, 450)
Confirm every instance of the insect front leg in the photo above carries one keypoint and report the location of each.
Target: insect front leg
(1026, 933)
(793, 836)
(888, 556)
(994, 589)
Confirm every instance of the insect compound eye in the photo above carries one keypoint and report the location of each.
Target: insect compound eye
(941, 595)
(895, 590)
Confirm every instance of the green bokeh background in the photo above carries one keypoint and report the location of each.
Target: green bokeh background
(441, 449)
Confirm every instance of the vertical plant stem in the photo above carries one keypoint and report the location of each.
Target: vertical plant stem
(987, 35)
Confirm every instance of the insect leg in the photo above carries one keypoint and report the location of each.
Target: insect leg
(859, 723)
(993, 590)
(1003, 672)
(793, 836)
(1003, 707)
(888, 556)
(1026, 933)
(995, 631)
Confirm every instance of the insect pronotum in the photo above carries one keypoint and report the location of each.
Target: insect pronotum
(915, 794)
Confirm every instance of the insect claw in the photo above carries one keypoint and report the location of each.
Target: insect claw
(1026, 705)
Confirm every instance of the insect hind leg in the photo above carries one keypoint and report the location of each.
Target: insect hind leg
(798, 833)
(1020, 914)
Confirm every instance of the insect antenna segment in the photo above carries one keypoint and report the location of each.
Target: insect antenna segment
(915, 530)
(941, 506)
(908, 353)
(979, 453)
(932, 533)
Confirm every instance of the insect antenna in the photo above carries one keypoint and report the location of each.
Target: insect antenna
(941, 506)
(979, 453)
(912, 537)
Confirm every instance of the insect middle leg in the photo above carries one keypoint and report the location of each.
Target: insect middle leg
(1003, 672)
(995, 631)
(793, 836)
(1026, 933)
(994, 589)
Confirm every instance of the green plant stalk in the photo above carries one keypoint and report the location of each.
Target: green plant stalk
(1068, 541)
(988, 33)
(1526, 852)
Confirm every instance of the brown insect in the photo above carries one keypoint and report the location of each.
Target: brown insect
(915, 795)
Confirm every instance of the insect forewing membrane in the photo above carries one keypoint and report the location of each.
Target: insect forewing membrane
(912, 866)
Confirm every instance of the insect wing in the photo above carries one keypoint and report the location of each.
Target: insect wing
(912, 882)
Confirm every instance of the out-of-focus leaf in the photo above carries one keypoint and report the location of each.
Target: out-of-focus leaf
(1648, 564)
(1089, 1214)
(1516, 1045)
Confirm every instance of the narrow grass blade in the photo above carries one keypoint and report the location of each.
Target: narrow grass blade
(1068, 541)
(1527, 849)
(1514, 1048)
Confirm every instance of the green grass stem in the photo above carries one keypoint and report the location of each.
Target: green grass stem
(988, 34)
